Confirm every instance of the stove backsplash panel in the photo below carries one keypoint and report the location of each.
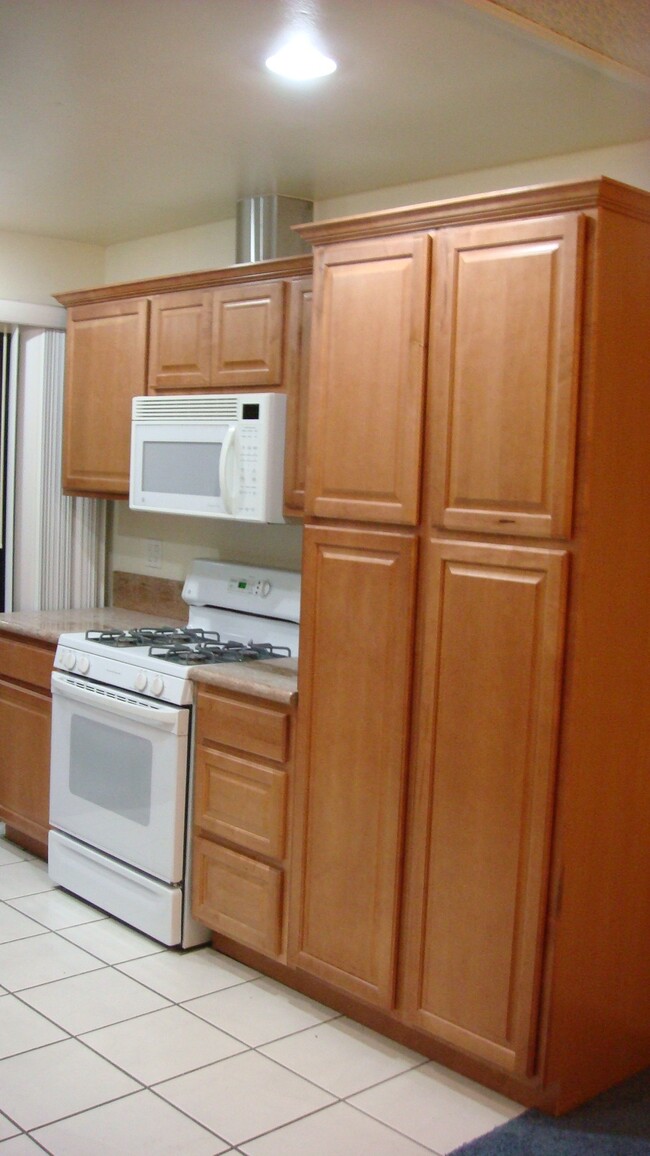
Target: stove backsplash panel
(160, 596)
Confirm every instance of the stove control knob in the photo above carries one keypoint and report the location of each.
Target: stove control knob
(68, 660)
(265, 589)
(141, 680)
(84, 664)
(157, 685)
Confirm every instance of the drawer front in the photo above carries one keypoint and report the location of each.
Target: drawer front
(242, 802)
(238, 896)
(252, 727)
(24, 662)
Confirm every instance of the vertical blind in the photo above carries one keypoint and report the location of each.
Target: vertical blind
(4, 401)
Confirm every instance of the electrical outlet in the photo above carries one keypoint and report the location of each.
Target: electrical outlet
(154, 553)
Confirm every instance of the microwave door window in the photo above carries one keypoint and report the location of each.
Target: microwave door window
(181, 468)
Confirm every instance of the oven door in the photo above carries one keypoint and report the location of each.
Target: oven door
(119, 769)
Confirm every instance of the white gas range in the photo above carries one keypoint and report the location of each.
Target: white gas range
(121, 767)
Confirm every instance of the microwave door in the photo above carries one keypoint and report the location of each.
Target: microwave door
(179, 470)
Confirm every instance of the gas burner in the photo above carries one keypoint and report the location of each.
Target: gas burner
(150, 635)
(207, 651)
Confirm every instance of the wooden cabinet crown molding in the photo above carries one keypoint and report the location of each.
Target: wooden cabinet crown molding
(534, 200)
(204, 278)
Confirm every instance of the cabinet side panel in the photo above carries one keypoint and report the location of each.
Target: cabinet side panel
(599, 1029)
(296, 379)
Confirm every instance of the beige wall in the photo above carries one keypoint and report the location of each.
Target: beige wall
(213, 246)
(205, 247)
(184, 539)
(33, 268)
(629, 163)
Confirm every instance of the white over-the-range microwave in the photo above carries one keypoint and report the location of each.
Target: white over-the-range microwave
(209, 455)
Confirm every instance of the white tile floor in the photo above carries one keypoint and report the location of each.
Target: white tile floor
(112, 1045)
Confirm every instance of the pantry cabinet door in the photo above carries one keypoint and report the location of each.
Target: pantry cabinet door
(503, 367)
(354, 687)
(367, 380)
(480, 812)
(180, 343)
(106, 367)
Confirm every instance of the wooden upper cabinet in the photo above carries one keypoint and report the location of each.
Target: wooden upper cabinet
(480, 813)
(180, 344)
(503, 365)
(296, 381)
(247, 324)
(351, 767)
(106, 367)
(367, 379)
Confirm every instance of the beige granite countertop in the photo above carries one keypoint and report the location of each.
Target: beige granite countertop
(47, 625)
(275, 679)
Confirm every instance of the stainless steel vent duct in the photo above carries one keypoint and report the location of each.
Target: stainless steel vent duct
(264, 227)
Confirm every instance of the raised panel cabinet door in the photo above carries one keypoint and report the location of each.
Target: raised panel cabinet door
(25, 717)
(480, 811)
(367, 380)
(503, 358)
(353, 727)
(106, 367)
(180, 341)
(238, 896)
(296, 381)
(247, 323)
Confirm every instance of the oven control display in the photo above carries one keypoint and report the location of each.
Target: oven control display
(256, 587)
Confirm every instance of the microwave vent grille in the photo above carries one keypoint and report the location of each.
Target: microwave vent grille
(193, 408)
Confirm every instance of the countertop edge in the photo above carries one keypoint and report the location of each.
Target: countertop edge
(274, 680)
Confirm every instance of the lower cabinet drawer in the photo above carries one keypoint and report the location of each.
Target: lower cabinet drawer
(258, 728)
(238, 896)
(242, 802)
(23, 662)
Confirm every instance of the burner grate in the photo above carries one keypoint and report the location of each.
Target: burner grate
(213, 651)
(164, 636)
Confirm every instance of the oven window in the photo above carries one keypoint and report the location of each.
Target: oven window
(111, 769)
(181, 468)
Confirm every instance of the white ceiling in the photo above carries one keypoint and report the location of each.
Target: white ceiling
(127, 118)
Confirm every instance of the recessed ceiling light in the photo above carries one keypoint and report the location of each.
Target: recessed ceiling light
(299, 59)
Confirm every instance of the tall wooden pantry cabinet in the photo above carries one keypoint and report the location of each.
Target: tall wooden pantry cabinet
(472, 801)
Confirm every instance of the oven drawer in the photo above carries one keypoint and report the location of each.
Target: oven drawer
(252, 727)
(238, 896)
(242, 802)
(24, 662)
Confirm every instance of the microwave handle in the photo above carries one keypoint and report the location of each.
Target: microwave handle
(229, 471)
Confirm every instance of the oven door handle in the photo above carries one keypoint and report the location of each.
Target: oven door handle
(149, 713)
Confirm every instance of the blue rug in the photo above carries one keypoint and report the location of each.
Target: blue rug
(616, 1123)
